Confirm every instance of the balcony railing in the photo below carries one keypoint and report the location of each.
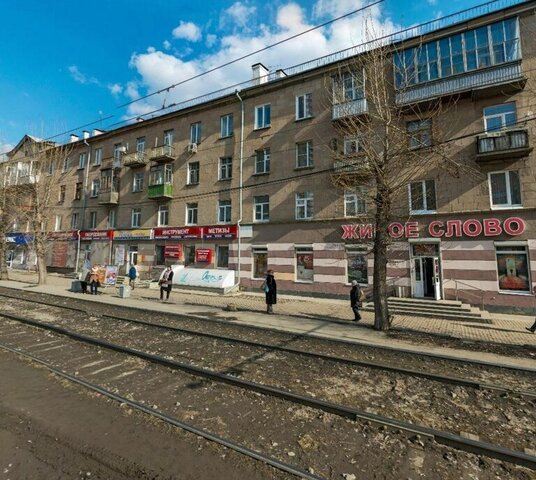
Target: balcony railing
(160, 191)
(163, 154)
(108, 196)
(347, 109)
(357, 164)
(503, 143)
(135, 159)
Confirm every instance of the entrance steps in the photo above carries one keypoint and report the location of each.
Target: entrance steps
(440, 309)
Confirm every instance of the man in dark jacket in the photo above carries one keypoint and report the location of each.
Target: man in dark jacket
(166, 281)
(355, 293)
(270, 288)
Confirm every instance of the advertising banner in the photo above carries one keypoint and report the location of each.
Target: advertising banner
(110, 276)
(203, 255)
(227, 231)
(96, 235)
(120, 255)
(173, 251)
(200, 277)
(177, 233)
(139, 234)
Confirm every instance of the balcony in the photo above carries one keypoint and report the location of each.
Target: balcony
(513, 143)
(160, 191)
(487, 78)
(351, 169)
(135, 159)
(108, 196)
(163, 154)
(348, 109)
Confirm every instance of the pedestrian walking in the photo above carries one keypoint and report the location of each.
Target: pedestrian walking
(84, 276)
(165, 282)
(133, 274)
(270, 289)
(94, 280)
(355, 300)
(533, 328)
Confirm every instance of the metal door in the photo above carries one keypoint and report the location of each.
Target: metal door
(418, 278)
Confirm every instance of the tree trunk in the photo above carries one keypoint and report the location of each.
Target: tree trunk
(41, 270)
(3, 263)
(381, 240)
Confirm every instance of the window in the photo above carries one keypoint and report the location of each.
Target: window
(92, 220)
(304, 264)
(95, 187)
(355, 202)
(195, 133)
(160, 258)
(51, 167)
(98, 156)
(260, 261)
(498, 117)
(82, 161)
(65, 164)
(140, 148)
(168, 142)
(160, 174)
(422, 196)
(224, 211)
(419, 133)
(117, 152)
(57, 223)
(261, 208)
(108, 181)
(226, 168)
(263, 116)
(222, 254)
(304, 205)
(505, 189)
(463, 52)
(189, 255)
(193, 173)
(226, 125)
(112, 218)
(357, 266)
(74, 221)
(191, 214)
(61, 195)
(135, 218)
(78, 191)
(352, 145)
(513, 267)
(137, 181)
(163, 216)
(304, 154)
(262, 161)
(348, 87)
(304, 106)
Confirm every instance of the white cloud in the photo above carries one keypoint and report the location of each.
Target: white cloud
(79, 77)
(166, 44)
(188, 31)
(432, 2)
(211, 40)
(115, 89)
(4, 148)
(239, 14)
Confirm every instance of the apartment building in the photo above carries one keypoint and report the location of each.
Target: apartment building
(248, 180)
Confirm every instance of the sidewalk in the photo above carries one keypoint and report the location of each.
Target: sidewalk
(319, 317)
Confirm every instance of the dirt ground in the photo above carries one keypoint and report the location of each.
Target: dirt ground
(90, 438)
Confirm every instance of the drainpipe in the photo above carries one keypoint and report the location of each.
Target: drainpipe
(84, 203)
(240, 192)
(77, 250)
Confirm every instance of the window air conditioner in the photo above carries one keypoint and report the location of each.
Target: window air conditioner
(192, 148)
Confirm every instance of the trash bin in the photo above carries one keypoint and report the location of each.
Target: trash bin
(400, 292)
(76, 286)
(124, 291)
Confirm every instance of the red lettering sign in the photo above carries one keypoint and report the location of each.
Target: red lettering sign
(203, 255)
(97, 235)
(227, 231)
(177, 233)
(472, 228)
(514, 226)
(173, 251)
(492, 227)
(349, 231)
(435, 229)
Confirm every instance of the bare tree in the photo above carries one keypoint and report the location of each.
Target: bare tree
(385, 148)
(9, 210)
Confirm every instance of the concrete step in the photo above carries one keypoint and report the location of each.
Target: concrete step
(460, 316)
(438, 310)
(425, 301)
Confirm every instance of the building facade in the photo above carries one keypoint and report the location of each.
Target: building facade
(248, 181)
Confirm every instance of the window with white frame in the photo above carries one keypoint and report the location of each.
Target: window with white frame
(95, 187)
(422, 197)
(348, 87)
(140, 148)
(112, 218)
(137, 181)
(352, 145)
(226, 168)
(263, 116)
(163, 216)
(304, 154)
(82, 160)
(261, 208)
(304, 205)
(226, 125)
(513, 267)
(505, 189)
(97, 159)
(57, 223)
(193, 173)
(195, 132)
(118, 149)
(50, 167)
(498, 117)
(262, 161)
(191, 214)
(161, 174)
(304, 263)
(224, 211)
(92, 220)
(65, 164)
(260, 261)
(356, 259)
(419, 133)
(135, 219)
(61, 194)
(355, 202)
(78, 191)
(304, 106)
(74, 221)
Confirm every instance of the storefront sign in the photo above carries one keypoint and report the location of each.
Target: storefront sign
(110, 277)
(177, 233)
(73, 235)
(96, 235)
(197, 277)
(489, 227)
(18, 238)
(173, 251)
(203, 255)
(141, 234)
(229, 231)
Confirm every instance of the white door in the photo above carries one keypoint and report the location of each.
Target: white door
(418, 278)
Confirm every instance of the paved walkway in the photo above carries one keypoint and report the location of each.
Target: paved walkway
(318, 317)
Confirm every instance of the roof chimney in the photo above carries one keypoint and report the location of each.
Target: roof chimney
(260, 74)
(97, 131)
(74, 138)
(85, 134)
(280, 73)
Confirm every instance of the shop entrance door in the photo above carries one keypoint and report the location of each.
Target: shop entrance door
(424, 277)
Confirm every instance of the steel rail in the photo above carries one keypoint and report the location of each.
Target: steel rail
(179, 316)
(440, 436)
(285, 467)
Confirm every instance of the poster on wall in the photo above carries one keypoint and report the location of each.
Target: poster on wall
(120, 255)
(305, 266)
(173, 251)
(513, 272)
(203, 255)
(101, 272)
(111, 274)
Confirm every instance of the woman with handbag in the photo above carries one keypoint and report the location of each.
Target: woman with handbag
(270, 290)
(165, 282)
(356, 297)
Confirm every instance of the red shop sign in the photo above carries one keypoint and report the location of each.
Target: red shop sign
(177, 233)
(227, 231)
(96, 235)
(173, 251)
(203, 255)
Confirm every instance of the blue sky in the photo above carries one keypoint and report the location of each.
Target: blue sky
(64, 64)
